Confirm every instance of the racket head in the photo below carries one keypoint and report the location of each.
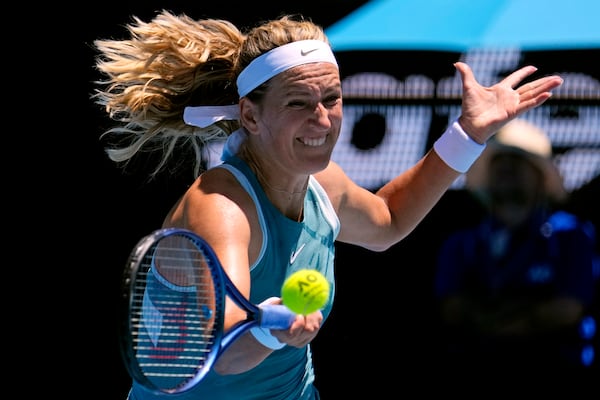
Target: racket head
(174, 301)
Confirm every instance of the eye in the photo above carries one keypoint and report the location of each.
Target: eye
(331, 101)
(296, 103)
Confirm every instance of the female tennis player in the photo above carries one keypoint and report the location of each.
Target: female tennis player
(276, 202)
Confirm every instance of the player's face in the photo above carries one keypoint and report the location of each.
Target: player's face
(301, 116)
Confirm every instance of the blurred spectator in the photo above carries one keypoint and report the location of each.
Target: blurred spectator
(515, 290)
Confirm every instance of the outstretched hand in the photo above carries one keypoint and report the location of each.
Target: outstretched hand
(486, 109)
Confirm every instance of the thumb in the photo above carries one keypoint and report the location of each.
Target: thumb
(465, 72)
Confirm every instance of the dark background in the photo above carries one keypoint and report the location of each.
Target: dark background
(76, 189)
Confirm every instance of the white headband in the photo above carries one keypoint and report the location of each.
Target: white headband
(203, 116)
(280, 59)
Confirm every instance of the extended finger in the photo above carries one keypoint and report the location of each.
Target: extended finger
(540, 85)
(517, 77)
(529, 101)
(536, 95)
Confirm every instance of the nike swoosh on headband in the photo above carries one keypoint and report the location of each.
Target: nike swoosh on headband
(306, 52)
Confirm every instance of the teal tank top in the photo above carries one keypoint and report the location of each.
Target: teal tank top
(287, 374)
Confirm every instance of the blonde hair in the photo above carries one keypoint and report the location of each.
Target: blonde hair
(275, 33)
(173, 62)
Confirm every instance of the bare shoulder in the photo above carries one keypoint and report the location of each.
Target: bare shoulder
(214, 202)
(335, 182)
(217, 181)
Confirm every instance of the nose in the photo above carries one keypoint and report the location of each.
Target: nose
(321, 115)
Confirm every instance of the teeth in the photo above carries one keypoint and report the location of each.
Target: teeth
(314, 142)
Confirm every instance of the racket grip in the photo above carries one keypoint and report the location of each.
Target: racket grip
(276, 316)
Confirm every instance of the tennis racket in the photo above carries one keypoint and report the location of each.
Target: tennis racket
(174, 291)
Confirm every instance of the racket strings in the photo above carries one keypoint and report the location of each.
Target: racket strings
(174, 313)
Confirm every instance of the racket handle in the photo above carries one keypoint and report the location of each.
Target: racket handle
(276, 316)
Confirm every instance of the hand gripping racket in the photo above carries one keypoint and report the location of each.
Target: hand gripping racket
(174, 291)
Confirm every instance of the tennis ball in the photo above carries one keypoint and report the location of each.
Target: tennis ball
(305, 291)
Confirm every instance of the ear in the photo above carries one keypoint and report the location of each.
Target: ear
(248, 113)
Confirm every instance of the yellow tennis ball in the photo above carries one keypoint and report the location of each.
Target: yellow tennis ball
(305, 291)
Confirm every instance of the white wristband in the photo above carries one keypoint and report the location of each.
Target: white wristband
(264, 336)
(457, 149)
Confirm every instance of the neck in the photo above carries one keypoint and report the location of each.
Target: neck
(270, 178)
(289, 202)
(289, 199)
(266, 185)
